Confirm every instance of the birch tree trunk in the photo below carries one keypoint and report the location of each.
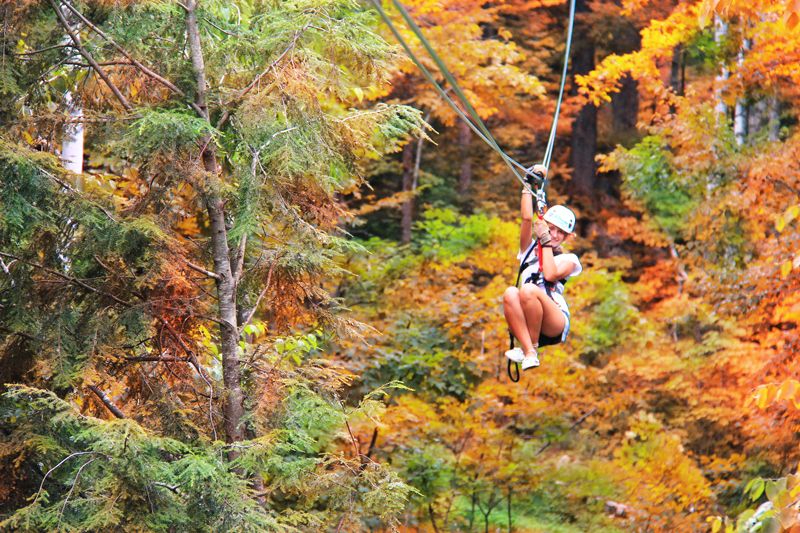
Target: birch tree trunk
(741, 110)
(72, 139)
(720, 32)
(72, 132)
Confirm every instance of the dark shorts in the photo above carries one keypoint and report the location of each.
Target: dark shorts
(546, 340)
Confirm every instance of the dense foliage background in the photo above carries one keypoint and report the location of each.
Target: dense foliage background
(265, 293)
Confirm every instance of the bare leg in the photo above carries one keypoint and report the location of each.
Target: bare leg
(512, 309)
(532, 308)
(552, 322)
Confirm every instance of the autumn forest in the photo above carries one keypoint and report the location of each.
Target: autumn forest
(253, 264)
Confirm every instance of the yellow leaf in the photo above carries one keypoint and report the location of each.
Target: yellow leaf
(359, 93)
(787, 390)
(786, 268)
(706, 10)
(780, 224)
(791, 213)
(27, 137)
(793, 485)
(761, 397)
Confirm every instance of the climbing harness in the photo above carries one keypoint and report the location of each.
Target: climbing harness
(549, 287)
(529, 179)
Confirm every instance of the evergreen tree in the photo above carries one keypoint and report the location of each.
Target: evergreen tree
(160, 292)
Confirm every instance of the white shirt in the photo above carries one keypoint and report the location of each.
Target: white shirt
(532, 271)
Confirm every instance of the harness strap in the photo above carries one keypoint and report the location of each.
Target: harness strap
(548, 288)
(522, 266)
(510, 362)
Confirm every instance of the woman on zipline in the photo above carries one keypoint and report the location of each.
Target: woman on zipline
(537, 313)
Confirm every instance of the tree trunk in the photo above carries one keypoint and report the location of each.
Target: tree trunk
(233, 406)
(432, 517)
(407, 210)
(72, 133)
(676, 72)
(465, 174)
(758, 116)
(508, 509)
(720, 32)
(72, 139)
(472, 511)
(741, 110)
(774, 118)
(740, 122)
(625, 106)
(584, 128)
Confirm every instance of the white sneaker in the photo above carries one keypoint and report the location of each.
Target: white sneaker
(516, 355)
(530, 361)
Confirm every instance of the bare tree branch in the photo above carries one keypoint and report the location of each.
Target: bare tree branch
(169, 487)
(70, 279)
(103, 64)
(156, 359)
(72, 488)
(198, 268)
(41, 50)
(241, 94)
(76, 40)
(260, 296)
(237, 270)
(133, 61)
(64, 460)
(223, 30)
(76, 192)
(106, 401)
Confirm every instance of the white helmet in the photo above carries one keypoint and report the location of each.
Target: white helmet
(561, 217)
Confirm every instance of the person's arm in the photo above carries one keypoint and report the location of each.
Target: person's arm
(526, 225)
(552, 271)
(527, 207)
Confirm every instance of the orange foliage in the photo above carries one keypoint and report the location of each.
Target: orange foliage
(488, 70)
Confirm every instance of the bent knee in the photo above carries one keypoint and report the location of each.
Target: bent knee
(530, 291)
(511, 295)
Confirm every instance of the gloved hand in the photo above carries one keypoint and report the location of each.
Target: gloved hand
(542, 231)
(535, 172)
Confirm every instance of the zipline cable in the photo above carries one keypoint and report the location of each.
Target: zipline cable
(446, 73)
(481, 129)
(548, 153)
(478, 125)
(511, 162)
